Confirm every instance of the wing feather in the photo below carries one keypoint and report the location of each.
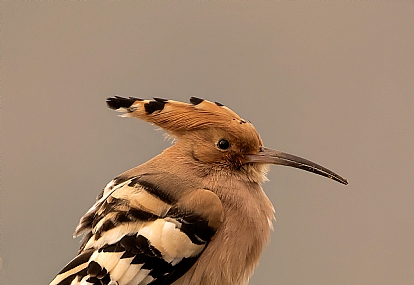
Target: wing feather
(137, 234)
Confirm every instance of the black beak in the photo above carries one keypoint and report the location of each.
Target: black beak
(267, 155)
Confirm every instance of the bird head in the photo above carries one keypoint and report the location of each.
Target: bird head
(211, 133)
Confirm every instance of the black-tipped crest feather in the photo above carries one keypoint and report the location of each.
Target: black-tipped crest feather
(180, 117)
(195, 100)
(120, 102)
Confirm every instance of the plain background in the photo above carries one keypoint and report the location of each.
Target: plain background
(330, 81)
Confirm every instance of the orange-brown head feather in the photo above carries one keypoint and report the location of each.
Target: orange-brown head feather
(202, 124)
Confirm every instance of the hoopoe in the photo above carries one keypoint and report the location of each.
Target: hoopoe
(194, 214)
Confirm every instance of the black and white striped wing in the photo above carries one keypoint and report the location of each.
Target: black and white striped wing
(138, 234)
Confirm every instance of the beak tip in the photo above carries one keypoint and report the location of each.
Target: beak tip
(339, 179)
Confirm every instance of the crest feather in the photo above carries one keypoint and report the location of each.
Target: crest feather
(176, 117)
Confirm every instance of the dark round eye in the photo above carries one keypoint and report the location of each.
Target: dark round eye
(223, 144)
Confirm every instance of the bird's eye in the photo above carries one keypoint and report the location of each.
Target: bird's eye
(223, 144)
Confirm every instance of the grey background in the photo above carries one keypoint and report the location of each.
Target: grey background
(330, 81)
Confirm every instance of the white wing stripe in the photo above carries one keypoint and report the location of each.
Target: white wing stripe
(147, 280)
(108, 260)
(139, 277)
(118, 271)
(131, 271)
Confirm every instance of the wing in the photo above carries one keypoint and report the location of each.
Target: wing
(143, 232)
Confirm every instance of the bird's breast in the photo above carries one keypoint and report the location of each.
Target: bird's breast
(234, 251)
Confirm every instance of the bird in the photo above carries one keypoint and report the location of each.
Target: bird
(195, 214)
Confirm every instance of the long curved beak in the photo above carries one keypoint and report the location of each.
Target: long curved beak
(267, 155)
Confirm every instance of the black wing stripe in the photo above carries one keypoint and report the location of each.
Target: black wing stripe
(112, 248)
(129, 243)
(134, 214)
(144, 245)
(128, 254)
(94, 281)
(68, 280)
(139, 259)
(195, 233)
(152, 189)
(176, 272)
(194, 226)
(80, 259)
(94, 269)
